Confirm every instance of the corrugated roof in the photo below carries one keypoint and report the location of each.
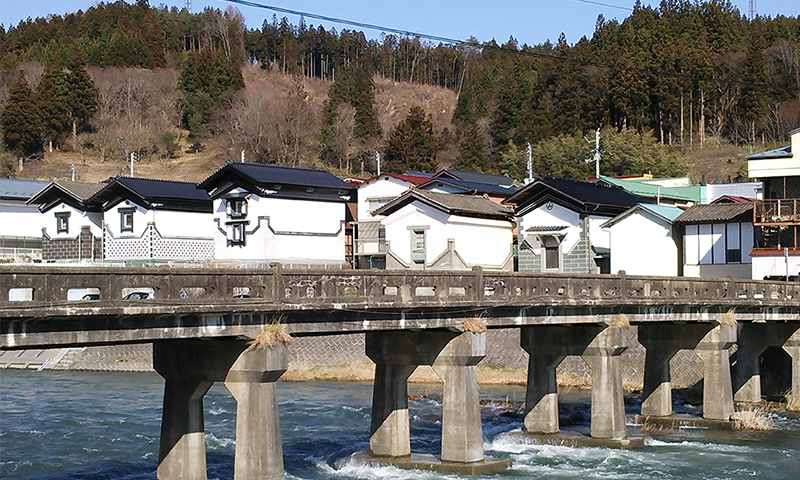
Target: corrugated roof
(465, 205)
(20, 189)
(264, 174)
(642, 189)
(717, 212)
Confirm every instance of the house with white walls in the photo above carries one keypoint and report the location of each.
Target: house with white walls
(495, 187)
(148, 219)
(717, 239)
(645, 234)
(72, 226)
(20, 223)
(376, 192)
(778, 212)
(269, 213)
(560, 224)
(441, 231)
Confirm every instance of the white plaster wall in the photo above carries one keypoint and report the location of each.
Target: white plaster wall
(736, 270)
(642, 244)
(382, 187)
(599, 236)
(483, 242)
(170, 223)
(298, 217)
(558, 216)
(20, 220)
(77, 219)
(771, 265)
(112, 219)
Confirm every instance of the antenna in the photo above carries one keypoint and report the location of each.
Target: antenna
(529, 151)
(134, 157)
(189, 6)
(752, 10)
(72, 168)
(378, 161)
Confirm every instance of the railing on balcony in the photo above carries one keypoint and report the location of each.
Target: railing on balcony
(371, 238)
(782, 211)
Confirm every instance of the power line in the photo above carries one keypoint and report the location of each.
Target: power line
(488, 46)
(604, 5)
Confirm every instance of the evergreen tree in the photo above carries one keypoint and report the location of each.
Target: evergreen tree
(81, 97)
(20, 120)
(412, 144)
(53, 95)
(206, 81)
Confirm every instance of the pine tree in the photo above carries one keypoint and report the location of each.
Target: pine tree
(52, 97)
(412, 144)
(81, 97)
(22, 126)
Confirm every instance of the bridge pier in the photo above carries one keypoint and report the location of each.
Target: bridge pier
(753, 339)
(454, 357)
(792, 347)
(711, 342)
(190, 367)
(600, 347)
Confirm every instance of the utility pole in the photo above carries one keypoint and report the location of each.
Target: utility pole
(529, 151)
(596, 154)
(133, 159)
(378, 161)
(72, 168)
(242, 160)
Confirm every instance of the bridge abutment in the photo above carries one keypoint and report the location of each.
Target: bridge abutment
(190, 367)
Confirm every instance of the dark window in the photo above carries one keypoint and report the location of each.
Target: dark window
(237, 207)
(733, 255)
(126, 219)
(238, 234)
(551, 257)
(62, 222)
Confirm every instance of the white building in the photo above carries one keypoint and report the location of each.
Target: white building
(439, 231)
(155, 220)
(718, 239)
(266, 213)
(72, 228)
(642, 242)
(20, 223)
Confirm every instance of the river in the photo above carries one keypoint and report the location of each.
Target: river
(88, 425)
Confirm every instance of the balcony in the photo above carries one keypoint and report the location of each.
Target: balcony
(782, 211)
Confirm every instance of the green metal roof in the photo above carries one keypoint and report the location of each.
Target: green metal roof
(637, 187)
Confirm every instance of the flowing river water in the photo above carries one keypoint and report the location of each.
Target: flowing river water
(88, 425)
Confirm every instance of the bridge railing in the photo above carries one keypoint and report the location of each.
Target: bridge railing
(392, 287)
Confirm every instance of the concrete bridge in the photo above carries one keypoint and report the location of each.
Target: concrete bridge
(201, 320)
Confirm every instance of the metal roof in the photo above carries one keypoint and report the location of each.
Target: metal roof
(784, 152)
(475, 176)
(153, 190)
(477, 187)
(690, 193)
(14, 188)
(464, 205)
(666, 212)
(588, 194)
(263, 174)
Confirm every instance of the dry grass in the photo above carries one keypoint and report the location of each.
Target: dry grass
(752, 419)
(348, 372)
(270, 336)
(474, 325)
(792, 402)
(621, 320)
(729, 318)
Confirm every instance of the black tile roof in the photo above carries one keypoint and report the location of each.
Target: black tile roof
(587, 194)
(152, 190)
(263, 174)
(717, 212)
(476, 176)
(476, 187)
(464, 205)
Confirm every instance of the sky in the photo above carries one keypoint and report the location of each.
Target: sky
(531, 21)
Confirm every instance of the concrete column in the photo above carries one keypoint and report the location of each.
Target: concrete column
(462, 434)
(717, 386)
(389, 430)
(657, 391)
(251, 381)
(608, 405)
(746, 371)
(182, 450)
(792, 347)
(541, 396)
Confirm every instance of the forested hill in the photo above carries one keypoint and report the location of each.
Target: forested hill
(678, 75)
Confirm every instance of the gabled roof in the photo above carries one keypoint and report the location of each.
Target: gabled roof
(263, 174)
(412, 179)
(472, 188)
(73, 193)
(474, 176)
(462, 205)
(784, 152)
(642, 188)
(732, 199)
(585, 197)
(668, 213)
(16, 189)
(154, 193)
(717, 212)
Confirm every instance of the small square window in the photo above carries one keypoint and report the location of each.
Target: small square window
(62, 222)
(237, 207)
(126, 219)
(733, 255)
(238, 234)
(309, 189)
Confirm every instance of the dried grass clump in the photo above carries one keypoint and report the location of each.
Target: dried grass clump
(792, 402)
(729, 318)
(270, 336)
(752, 419)
(621, 320)
(474, 325)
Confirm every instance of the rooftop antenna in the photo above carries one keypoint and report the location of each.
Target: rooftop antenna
(752, 10)
(189, 6)
(529, 152)
(378, 161)
(596, 155)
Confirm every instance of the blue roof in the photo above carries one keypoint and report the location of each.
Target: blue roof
(264, 174)
(667, 212)
(13, 188)
(478, 187)
(476, 176)
(785, 152)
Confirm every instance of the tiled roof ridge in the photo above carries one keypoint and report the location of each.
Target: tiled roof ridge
(123, 177)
